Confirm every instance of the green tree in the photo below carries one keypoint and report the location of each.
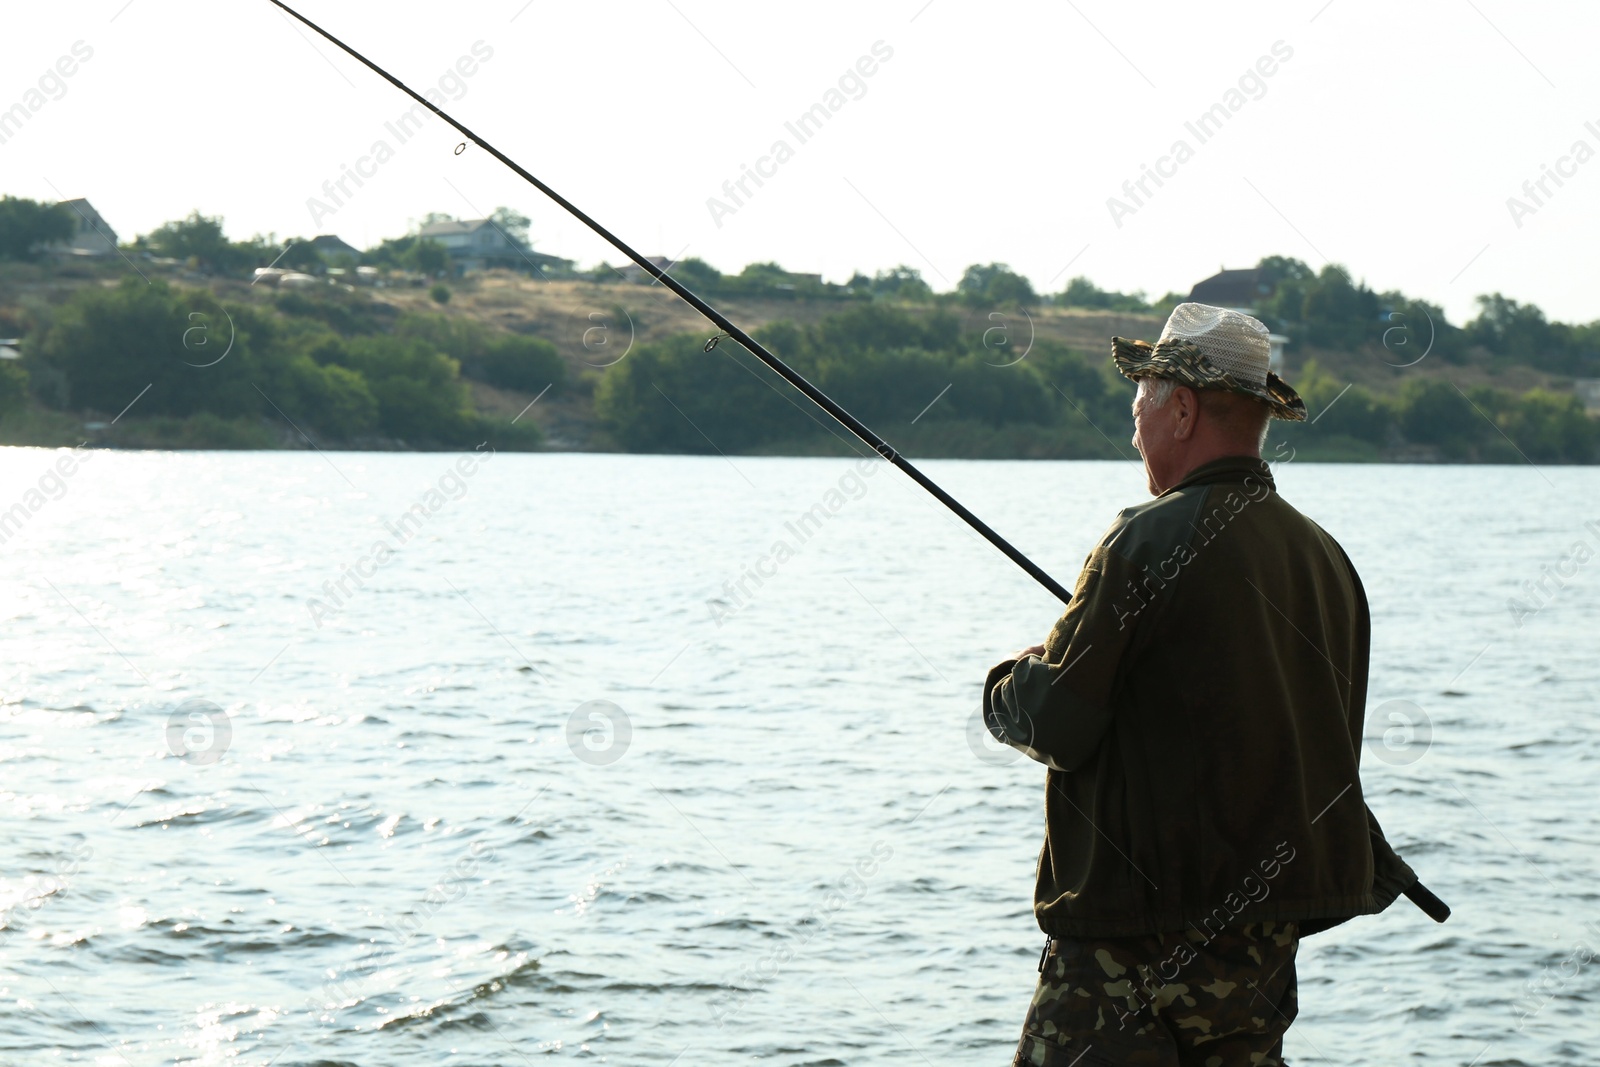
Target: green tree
(1520, 333)
(760, 279)
(1286, 279)
(525, 363)
(1084, 389)
(981, 391)
(513, 224)
(1350, 412)
(410, 252)
(26, 226)
(111, 343)
(1339, 312)
(985, 285)
(293, 254)
(510, 361)
(1437, 413)
(1329, 310)
(1415, 330)
(198, 237)
(199, 357)
(1081, 292)
(698, 275)
(1551, 427)
(1275, 271)
(428, 256)
(863, 330)
(420, 396)
(331, 398)
(672, 396)
(901, 283)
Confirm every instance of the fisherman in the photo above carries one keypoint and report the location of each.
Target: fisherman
(1199, 707)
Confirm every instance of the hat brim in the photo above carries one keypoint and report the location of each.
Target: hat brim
(1184, 363)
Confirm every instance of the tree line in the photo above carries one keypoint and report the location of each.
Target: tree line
(334, 364)
(934, 388)
(1325, 309)
(1480, 424)
(351, 369)
(896, 352)
(937, 386)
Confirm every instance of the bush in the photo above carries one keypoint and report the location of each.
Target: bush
(509, 361)
(524, 363)
(13, 388)
(440, 293)
(881, 363)
(1552, 427)
(332, 398)
(671, 396)
(1437, 413)
(418, 389)
(110, 344)
(1354, 412)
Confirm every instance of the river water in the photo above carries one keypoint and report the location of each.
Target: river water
(539, 778)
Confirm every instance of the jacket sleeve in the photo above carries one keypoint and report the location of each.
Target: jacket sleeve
(1056, 708)
(1391, 875)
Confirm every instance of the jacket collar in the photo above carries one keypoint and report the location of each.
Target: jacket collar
(1225, 470)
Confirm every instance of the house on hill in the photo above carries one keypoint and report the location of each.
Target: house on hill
(1240, 290)
(478, 244)
(92, 235)
(331, 247)
(632, 272)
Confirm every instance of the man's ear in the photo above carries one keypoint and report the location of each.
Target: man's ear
(1185, 410)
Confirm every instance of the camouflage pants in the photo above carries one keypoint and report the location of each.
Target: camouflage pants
(1178, 1000)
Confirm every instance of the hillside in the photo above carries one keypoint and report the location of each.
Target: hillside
(596, 326)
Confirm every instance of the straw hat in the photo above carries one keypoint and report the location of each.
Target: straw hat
(1207, 347)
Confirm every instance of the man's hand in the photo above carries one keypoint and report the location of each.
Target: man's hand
(1031, 650)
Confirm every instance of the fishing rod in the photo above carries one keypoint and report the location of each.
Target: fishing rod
(1419, 894)
(722, 322)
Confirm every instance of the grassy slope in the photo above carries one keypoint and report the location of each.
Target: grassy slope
(566, 312)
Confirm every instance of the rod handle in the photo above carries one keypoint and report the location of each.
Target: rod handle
(1422, 897)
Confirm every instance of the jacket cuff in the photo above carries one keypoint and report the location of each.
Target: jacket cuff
(997, 674)
(1391, 875)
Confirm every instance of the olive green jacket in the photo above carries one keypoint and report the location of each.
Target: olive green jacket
(1199, 707)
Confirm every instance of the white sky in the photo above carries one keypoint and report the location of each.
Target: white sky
(1389, 142)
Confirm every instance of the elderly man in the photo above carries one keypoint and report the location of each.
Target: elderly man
(1199, 707)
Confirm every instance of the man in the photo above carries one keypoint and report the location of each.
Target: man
(1199, 707)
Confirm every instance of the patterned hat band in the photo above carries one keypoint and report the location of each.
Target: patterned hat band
(1183, 362)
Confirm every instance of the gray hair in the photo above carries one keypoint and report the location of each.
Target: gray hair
(1156, 391)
